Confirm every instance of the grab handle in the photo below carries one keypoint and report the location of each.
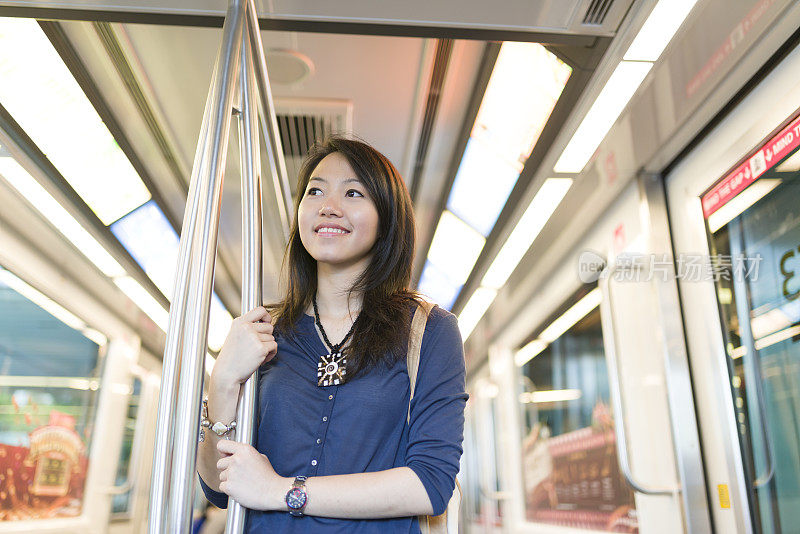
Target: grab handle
(617, 397)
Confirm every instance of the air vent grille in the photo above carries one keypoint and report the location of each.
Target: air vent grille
(596, 12)
(300, 132)
(305, 121)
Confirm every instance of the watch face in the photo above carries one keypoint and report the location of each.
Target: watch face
(296, 498)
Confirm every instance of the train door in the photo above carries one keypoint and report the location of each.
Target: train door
(606, 439)
(735, 202)
(481, 475)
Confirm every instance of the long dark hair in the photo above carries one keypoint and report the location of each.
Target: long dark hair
(381, 330)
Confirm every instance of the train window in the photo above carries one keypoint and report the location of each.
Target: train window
(48, 394)
(753, 218)
(570, 470)
(121, 502)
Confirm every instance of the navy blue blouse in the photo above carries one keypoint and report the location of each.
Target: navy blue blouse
(360, 426)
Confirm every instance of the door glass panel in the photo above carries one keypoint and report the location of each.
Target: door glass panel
(120, 503)
(48, 391)
(570, 469)
(756, 266)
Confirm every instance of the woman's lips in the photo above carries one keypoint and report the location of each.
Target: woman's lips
(331, 231)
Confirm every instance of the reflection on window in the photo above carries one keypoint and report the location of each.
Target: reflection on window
(120, 504)
(756, 253)
(570, 470)
(48, 391)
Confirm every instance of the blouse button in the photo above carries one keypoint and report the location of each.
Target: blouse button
(324, 419)
(319, 441)
(313, 462)
(330, 397)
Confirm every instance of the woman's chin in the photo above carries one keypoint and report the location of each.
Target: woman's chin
(338, 261)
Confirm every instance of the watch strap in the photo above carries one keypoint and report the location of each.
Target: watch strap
(299, 483)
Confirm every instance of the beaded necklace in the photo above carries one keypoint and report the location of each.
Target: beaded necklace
(332, 367)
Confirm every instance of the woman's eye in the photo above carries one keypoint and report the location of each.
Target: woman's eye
(354, 193)
(314, 191)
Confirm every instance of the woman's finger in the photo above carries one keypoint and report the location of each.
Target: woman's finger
(257, 313)
(263, 328)
(223, 463)
(266, 338)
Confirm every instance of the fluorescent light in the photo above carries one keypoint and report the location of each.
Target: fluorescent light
(771, 339)
(578, 311)
(791, 164)
(769, 322)
(738, 352)
(554, 395)
(529, 351)
(41, 300)
(556, 329)
(658, 29)
(142, 298)
(60, 219)
(40, 93)
(533, 220)
(455, 247)
(741, 202)
(525, 84)
(436, 285)
(619, 89)
(473, 198)
(474, 309)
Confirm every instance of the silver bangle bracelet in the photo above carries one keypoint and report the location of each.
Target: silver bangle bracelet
(218, 428)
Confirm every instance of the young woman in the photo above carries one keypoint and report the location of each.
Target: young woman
(334, 452)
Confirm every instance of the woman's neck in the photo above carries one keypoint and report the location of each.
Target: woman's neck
(334, 298)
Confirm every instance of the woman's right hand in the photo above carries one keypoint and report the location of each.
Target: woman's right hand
(249, 344)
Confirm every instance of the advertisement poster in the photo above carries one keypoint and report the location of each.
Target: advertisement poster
(573, 479)
(46, 479)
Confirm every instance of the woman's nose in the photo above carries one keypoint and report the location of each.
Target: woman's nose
(330, 208)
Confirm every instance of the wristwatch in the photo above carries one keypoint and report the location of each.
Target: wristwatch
(296, 498)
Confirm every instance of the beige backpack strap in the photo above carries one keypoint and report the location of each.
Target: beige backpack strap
(415, 346)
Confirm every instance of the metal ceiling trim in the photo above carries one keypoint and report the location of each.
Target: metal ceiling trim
(444, 51)
(58, 38)
(295, 25)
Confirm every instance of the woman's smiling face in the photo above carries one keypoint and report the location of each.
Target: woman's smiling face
(338, 222)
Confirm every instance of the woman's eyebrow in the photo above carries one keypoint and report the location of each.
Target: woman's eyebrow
(323, 180)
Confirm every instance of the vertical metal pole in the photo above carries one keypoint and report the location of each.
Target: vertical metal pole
(251, 249)
(269, 123)
(162, 461)
(203, 251)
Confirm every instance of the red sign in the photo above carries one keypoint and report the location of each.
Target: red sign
(756, 165)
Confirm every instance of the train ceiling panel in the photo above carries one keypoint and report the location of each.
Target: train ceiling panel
(590, 17)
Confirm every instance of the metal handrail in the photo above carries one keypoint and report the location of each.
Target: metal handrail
(623, 455)
(251, 246)
(269, 122)
(178, 422)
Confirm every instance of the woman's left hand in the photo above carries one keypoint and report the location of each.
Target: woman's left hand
(247, 476)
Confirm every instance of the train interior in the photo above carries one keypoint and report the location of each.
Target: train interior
(606, 193)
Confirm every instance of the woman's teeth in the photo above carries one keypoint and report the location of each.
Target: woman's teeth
(326, 230)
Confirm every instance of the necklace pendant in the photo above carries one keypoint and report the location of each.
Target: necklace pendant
(331, 370)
